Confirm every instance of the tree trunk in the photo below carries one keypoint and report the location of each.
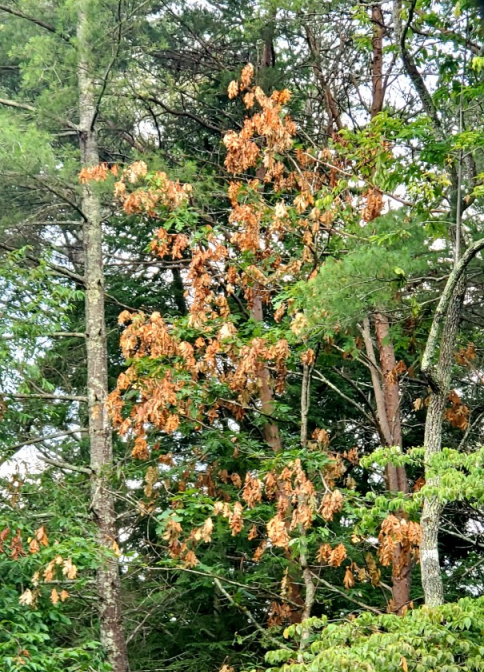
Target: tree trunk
(391, 392)
(387, 396)
(402, 562)
(377, 67)
(440, 380)
(102, 504)
(179, 292)
(270, 429)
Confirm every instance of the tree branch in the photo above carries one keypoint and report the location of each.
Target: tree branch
(37, 22)
(445, 299)
(53, 397)
(31, 108)
(60, 464)
(333, 387)
(182, 113)
(351, 599)
(409, 63)
(41, 439)
(60, 270)
(249, 615)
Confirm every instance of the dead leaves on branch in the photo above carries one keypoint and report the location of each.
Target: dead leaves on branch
(296, 501)
(163, 402)
(458, 413)
(333, 557)
(58, 568)
(11, 544)
(399, 542)
(332, 503)
(190, 366)
(276, 130)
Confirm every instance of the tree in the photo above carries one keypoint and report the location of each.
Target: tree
(298, 277)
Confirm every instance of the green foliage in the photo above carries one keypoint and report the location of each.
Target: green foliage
(42, 636)
(444, 639)
(375, 272)
(162, 71)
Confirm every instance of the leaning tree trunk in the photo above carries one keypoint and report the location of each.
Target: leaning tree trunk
(438, 376)
(439, 379)
(101, 450)
(448, 309)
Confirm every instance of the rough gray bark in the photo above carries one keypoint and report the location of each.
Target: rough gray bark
(438, 376)
(309, 585)
(440, 380)
(447, 315)
(102, 503)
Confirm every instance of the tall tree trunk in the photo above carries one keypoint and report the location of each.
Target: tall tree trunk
(102, 503)
(449, 309)
(387, 396)
(438, 375)
(270, 429)
(402, 562)
(440, 380)
(309, 584)
(385, 384)
(179, 292)
(325, 93)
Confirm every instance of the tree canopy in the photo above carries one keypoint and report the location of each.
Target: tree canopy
(241, 397)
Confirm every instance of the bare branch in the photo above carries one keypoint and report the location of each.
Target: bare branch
(31, 108)
(249, 616)
(60, 270)
(41, 439)
(60, 464)
(348, 597)
(182, 113)
(53, 397)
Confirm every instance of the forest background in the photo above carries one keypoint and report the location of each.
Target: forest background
(241, 335)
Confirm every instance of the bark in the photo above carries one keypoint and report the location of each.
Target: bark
(387, 396)
(179, 292)
(270, 430)
(385, 385)
(384, 429)
(309, 597)
(391, 392)
(448, 295)
(268, 59)
(447, 314)
(305, 399)
(438, 375)
(402, 564)
(409, 63)
(377, 67)
(322, 82)
(101, 450)
(429, 553)
(309, 585)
